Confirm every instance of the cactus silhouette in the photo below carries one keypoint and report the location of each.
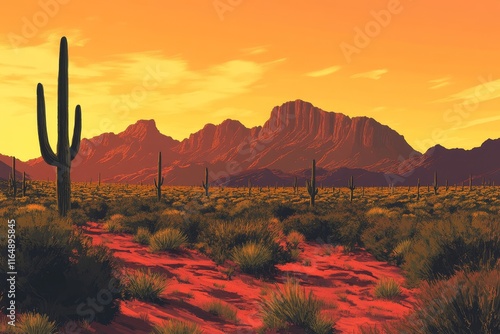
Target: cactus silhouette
(23, 186)
(311, 185)
(350, 184)
(295, 188)
(12, 178)
(435, 184)
(205, 183)
(160, 179)
(65, 152)
(418, 189)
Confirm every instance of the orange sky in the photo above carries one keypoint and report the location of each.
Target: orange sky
(428, 69)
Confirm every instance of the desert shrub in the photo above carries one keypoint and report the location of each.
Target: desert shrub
(294, 239)
(222, 310)
(35, 323)
(309, 224)
(146, 220)
(253, 258)
(132, 206)
(222, 237)
(384, 233)
(445, 246)
(466, 303)
(387, 288)
(282, 211)
(58, 268)
(168, 239)
(114, 224)
(96, 210)
(145, 285)
(293, 306)
(142, 236)
(78, 216)
(400, 251)
(345, 228)
(189, 224)
(177, 327)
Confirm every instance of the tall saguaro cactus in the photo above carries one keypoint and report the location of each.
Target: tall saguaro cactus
(160, 179)
(418, 189)
(295, 187)
(65, 153)
(311, 185)
(205, 183)
(23, 186)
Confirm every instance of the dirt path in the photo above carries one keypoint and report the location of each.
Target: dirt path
(344, 282)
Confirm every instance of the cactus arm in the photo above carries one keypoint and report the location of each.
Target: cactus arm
(77, 132)
(47, 153)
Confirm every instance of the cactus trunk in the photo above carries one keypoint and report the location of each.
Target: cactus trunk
(65, 152)
(13, 178)
(311, 185)
(158, 183)
(205, 183)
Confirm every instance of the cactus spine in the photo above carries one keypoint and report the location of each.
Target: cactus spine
(65, 152)
(350, 185)
(435, 184)
(158, 183)
(311, 185)
(205, 183)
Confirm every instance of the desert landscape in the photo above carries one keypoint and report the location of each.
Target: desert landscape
(153, 209)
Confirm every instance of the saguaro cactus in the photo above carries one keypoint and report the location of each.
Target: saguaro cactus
(295, 187)
(99, 180)
(23, 187)
(12, 179)
(350, 185)
(249, 187)
(470, 182)
(160, 179)
(311, 185)
(418, 189)
(435, 184)
(65, 152)
(205, 183)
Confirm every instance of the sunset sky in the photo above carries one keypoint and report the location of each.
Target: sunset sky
(428, 69)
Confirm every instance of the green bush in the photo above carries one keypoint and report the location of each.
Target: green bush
(58, 269)
(96, 210)
(466, 303)
(145, 285)
(177, 327)
(309, 224)
(282, 211)
(142, 236)
(222, 310)
(148, 220)
(293, 306)
(168, 239)
(387, 288)
(34, 323)
(445, 246)
(254, 258)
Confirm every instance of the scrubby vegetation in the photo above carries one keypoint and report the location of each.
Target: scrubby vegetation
(441, 239)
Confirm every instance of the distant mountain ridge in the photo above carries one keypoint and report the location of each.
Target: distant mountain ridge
(277, 151)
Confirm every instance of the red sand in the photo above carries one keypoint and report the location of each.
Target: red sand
(344, 282)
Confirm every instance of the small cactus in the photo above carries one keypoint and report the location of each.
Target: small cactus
(12, 179)
(350, 185)
(249, 187)
(295, 187)
(160, 179)
(435, 184)
(311, 185)
(418, 189)
(23, 187)
(205, 183)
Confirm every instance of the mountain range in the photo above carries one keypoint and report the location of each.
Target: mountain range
(274, 153)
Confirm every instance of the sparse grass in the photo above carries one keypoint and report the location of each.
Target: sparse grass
(34, 323)
(145, 285)
(169, 239)
(114, 224)
(292, 305)
(177, 327)
(221, 310)
(142, 236)
(387, 288)
(253, 258)
(219, 286)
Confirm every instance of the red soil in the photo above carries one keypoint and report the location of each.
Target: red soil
(345, 282)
